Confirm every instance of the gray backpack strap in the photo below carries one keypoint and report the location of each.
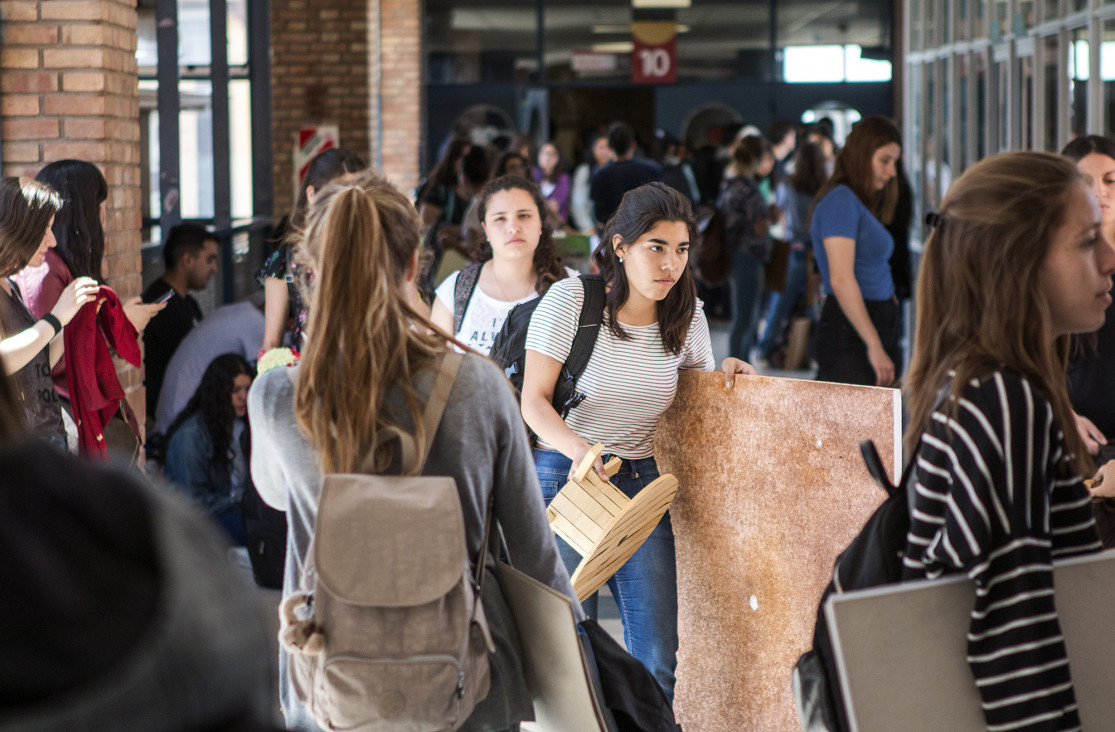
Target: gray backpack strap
(462, 293)
(413, 460)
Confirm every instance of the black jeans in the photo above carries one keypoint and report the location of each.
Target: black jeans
(842, 354)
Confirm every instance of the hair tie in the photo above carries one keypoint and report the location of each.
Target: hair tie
(934, 220)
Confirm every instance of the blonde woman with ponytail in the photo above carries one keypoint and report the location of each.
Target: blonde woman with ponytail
(367, 367)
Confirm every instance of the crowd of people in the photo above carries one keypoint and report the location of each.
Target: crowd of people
(1007, 401)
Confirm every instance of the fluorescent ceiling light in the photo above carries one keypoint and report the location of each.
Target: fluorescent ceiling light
(620, 47)
(602, 28)
(661, 3)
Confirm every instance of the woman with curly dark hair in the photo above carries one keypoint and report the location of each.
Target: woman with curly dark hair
(209, 445)
(517, 262)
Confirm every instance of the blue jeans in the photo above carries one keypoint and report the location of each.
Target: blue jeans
(746, 282)
(782, 303)
(646, 586)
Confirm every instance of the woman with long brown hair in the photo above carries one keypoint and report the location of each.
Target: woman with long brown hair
(860, 327)
(653, 326)
(32, 346)
(369, 365)
(1017, 263)
(516, 262)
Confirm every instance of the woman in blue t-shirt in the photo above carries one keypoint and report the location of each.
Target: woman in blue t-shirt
(860, 327)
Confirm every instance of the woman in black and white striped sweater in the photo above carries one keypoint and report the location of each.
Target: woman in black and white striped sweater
(1017, 262)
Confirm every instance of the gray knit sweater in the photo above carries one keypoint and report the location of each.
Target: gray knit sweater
(482, 444)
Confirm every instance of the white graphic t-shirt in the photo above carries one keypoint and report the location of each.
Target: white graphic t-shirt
(484, 314)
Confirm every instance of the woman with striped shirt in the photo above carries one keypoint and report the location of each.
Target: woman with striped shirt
(1017, 262)
(653, 326)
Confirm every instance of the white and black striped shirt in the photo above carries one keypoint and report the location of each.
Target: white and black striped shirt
(996, 498)
(627, 383)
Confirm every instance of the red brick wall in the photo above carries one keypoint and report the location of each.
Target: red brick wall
(319, 75)
(69, 89)
(324, 56)
(400, 53)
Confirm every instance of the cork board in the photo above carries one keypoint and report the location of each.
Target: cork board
(772, 488)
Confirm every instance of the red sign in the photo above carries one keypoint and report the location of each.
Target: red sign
(654, 59)
(311, 141)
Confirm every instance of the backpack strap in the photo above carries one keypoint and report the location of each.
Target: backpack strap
(463, 288)
(588, 327)
(413, 458)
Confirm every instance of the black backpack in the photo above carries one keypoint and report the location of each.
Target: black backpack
(873, 558)
(509, 347)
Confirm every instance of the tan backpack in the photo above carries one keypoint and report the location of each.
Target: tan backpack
(387, 632)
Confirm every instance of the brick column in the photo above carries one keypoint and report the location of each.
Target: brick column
(69, 89)
(319, 76)
(397, 48)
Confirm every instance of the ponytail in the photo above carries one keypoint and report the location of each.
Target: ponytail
(362, 336)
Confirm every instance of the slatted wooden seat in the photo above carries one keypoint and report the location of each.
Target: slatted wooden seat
(601, 523)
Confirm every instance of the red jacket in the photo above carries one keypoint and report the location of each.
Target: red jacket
(95, 391)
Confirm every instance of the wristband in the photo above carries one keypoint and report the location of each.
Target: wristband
(53, 322)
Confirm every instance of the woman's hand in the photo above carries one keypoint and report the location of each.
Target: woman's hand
(1103, 483)
(880, 361)
(1089, 434)
(79, 292)
(732, 366)
(579, 456)
(139, 313)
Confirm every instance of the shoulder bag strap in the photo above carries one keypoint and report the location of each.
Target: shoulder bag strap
(465, 285)
(588, 326)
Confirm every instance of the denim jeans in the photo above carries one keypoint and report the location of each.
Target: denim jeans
(746, 282)
(645, 587)
(782, 303)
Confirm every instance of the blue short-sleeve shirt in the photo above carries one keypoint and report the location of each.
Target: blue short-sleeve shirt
(841, 213)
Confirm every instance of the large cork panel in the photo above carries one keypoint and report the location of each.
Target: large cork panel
(772, 488)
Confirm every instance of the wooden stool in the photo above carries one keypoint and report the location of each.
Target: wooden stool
(601, 523)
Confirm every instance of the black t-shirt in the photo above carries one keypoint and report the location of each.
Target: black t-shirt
(33, 382)
(163, 334)
(1092, 376)
(610, 182)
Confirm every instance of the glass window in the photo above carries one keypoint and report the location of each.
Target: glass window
(1078, 81)
(195, 148)
(963, 16)
(473, 43)
(1051, 9)
(1002, 86)
(237, 30)
(1107, 72)
(147, 52)
(932, 39)
(979, 69)
(929, 175)
(240, 147)
(1077, 5)
(962, 114)
(1025, 15)
(813, 63)
(1052, 95)
(193, 33)
(979, 24)
(859, 68)
(915, 25)
(1026, 103)
(999, 21)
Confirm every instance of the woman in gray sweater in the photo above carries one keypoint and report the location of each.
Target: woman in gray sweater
(367, 366)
